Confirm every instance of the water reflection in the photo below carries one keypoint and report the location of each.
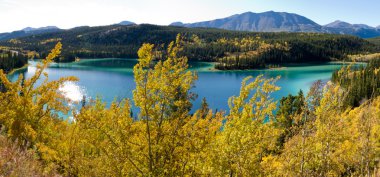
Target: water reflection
(73, 92)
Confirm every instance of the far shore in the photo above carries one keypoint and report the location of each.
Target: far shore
(211, 68)
(18, 69)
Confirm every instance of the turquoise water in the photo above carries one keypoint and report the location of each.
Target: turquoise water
(112, 79)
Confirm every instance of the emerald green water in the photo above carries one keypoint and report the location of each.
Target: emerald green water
(113, 79)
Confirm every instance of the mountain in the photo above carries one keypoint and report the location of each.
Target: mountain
(127, 23)
(28, 31)
(282, 21)
(123, 41)
(362, 30)
(260, 22)
(3, 35)
(255, 22)
(177, 24)
(345, 25)
(47, 28)
(338, 24)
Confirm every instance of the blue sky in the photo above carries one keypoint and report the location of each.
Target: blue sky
(17, 14)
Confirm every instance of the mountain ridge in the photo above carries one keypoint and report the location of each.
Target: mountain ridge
(361, 30)
(269, 21)
(126, 22)
(28, 31)
(123, 41)
(272, 21)
(259, 22)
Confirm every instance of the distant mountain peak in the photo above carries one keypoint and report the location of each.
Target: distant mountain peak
(30, 29)
(272, 21)
(176, 24)
(269, 21)
(27, 32)
(341, 27)
(342, 24)
(364, 26)
(339, 24)
(127, 23)
(337, 21)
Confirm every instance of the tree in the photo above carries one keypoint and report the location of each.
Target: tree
(248, 134)
(162, 94)
(290, 108)
(163, 140)
(204, 108)
(365, 123)
(29, 112)
(319, 135)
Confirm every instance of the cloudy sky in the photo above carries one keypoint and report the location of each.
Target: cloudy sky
(18, 14)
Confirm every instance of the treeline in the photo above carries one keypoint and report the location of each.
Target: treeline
(311, 135)
(229, 48)
(10, 60)
(375, 40)
(257, 52)
(361, 83)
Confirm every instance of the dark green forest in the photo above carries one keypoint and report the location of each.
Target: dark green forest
(361, 83)
(10, 60)
(231, 49)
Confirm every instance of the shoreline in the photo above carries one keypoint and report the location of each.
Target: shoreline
(18, 69)
(211, 67)
(287, 65)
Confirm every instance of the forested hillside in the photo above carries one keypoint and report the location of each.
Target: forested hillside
(375, 40)
(361, 84)
(10, 60)
(233, 50)
(313, 134)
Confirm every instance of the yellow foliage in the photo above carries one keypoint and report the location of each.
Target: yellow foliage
(15, 41)
(364, 57)
(342, 142)
(165, 139)
(29, 110)
(50, 41)
(248, 132)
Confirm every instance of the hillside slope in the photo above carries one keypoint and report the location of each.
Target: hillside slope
(201, 43)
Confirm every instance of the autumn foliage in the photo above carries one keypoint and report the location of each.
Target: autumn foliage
(321, 138)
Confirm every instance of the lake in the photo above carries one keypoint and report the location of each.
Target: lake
(112, 79)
